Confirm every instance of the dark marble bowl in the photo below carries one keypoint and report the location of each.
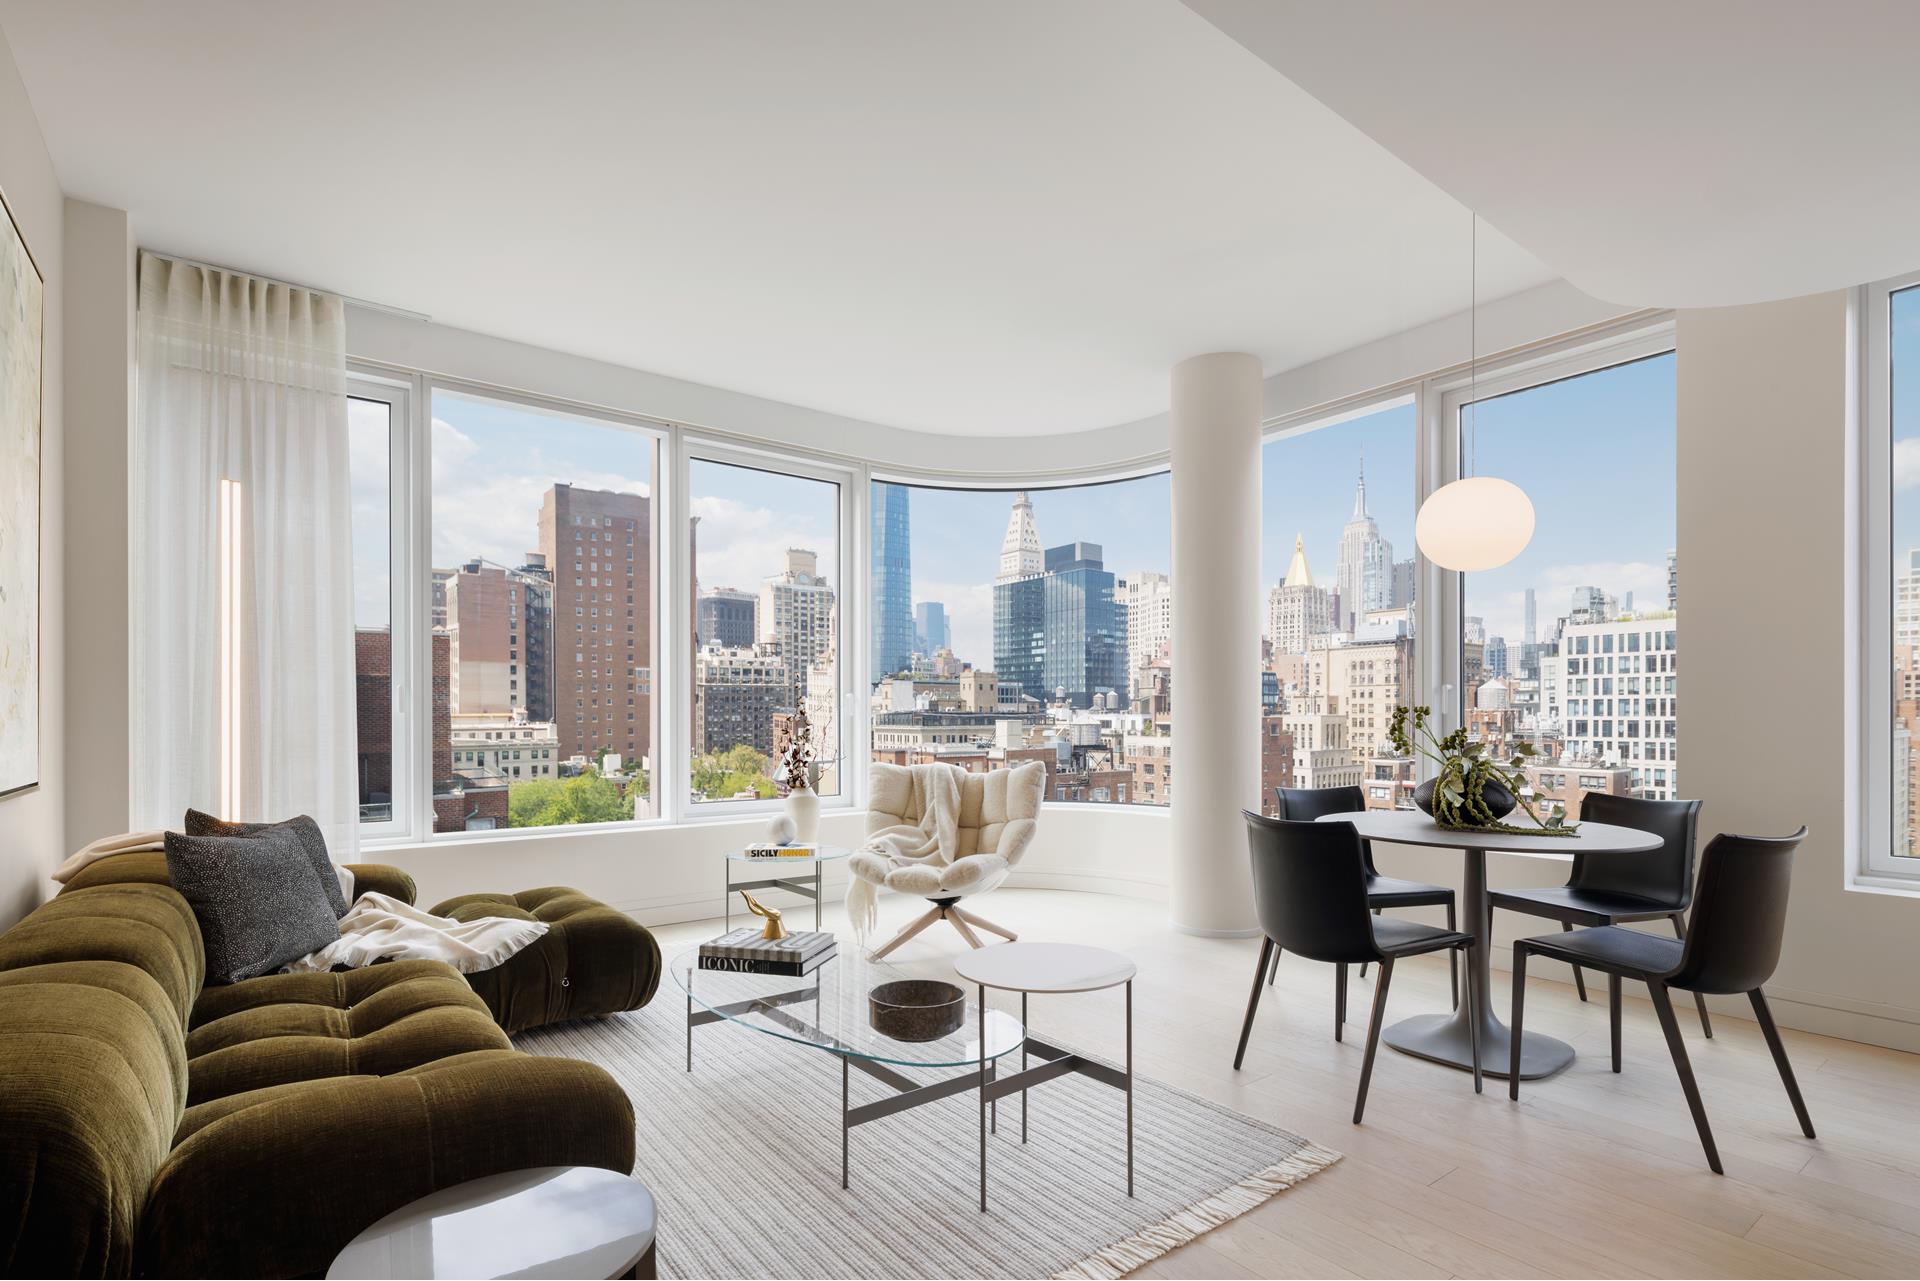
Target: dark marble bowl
(1498, 799)
(916, 1009)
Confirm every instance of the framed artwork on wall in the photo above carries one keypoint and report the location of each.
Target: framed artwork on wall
(22, 353)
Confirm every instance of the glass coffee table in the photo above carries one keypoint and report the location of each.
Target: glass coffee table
(827, 1011)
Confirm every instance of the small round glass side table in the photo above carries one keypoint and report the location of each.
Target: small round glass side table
(794, 874)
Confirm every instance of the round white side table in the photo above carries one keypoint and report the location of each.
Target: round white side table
(1046, 968)
(554, 1221)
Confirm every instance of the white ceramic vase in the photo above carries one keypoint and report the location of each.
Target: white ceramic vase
(803, 807)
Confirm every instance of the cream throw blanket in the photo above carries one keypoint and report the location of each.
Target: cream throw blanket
(936, 794)
(379, 928)
(151, 842)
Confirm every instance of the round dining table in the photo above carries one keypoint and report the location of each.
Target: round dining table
(1445, 1038)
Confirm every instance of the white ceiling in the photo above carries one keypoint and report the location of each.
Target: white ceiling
(994, 217)
(1655, 153)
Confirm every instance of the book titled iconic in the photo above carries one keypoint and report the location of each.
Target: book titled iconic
(745, 951)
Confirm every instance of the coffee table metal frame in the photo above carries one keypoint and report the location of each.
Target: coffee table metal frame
(793, 885)
(910, 1094)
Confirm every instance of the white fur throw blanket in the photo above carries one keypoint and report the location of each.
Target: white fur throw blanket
(379, 928)
(936, 794)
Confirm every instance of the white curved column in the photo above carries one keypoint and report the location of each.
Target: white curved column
(1216, 638)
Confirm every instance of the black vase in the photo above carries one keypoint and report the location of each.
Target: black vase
(1499, 800)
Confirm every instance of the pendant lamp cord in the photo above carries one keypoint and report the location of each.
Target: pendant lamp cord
(1473, 339)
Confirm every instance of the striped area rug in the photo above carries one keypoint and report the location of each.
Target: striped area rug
(743, 1158)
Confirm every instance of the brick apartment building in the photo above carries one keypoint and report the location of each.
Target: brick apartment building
(598, 548)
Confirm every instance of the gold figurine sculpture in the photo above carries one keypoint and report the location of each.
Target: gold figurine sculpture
(774, 929)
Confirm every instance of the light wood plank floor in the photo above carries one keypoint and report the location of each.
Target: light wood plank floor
(1590, 1174)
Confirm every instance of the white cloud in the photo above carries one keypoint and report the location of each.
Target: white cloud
(1505, 614)
(741, 546)
(1906, 464)
(486, 503)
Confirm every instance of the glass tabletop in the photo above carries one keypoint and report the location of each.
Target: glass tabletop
(827, 1009)
(820, 854)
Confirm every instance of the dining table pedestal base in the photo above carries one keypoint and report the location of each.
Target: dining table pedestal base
(1442, 1038)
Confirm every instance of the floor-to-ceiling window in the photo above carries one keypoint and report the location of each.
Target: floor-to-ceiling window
(1893, 840)
(766, 558)
(1574, 646)
(540, 615)
(1037, 624)
(376, 421)
(1338, 569)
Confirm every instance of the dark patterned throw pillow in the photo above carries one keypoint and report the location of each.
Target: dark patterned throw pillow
(304, 828)
(257, 900)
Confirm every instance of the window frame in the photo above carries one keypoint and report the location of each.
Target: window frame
(413, 637)
(1445, 397)
(972, 482)
(1874, 864)
(693, 445)
(370, 383)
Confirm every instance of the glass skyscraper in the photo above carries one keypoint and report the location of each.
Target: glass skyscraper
(892, 569)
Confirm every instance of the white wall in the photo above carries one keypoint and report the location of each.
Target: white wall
(99, 299)
(1766, 401)
(32, 823)
(674, 873)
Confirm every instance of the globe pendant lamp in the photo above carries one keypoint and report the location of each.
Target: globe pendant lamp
(1477, 522)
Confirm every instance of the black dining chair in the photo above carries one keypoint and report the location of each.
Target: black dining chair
(1734, 945)
(1612, 889)
(1304, 805)
(1310, 894)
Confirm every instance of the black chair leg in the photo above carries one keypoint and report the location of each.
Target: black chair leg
(1363, 964)
(1764, 1016)
(1267, 950)
(1699, 1001)
(1373, 1035)
(1339, 1000)
(1579, 979)
(1454, 956)
(1473, 1033)
(1273, 971)
(1519, 1016)
(1613, 1016)
(1663, 1006)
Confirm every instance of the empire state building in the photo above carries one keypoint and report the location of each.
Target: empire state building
(1364, 577)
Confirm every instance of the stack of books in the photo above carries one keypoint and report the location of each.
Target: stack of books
(744, 951)
(805, 850)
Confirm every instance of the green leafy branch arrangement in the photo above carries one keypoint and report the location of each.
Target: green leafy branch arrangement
(1464, 769)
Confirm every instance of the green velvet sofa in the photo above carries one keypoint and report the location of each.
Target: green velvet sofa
(150, 1127)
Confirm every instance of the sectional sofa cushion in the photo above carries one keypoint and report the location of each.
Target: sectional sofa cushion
(302, 1027)
(301, 828)
(257, 898)
(593, 960)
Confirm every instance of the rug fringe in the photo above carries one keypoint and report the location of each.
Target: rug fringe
(1145, 1246)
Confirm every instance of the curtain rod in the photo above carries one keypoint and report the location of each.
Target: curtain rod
(388, 308)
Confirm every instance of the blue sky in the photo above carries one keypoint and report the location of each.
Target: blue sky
(1906, 423)
(1595, 454)
(957, 535)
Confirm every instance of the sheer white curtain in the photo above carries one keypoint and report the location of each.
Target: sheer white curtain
(243, 682)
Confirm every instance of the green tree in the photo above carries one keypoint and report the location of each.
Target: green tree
(719, 775)
(558, 802)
